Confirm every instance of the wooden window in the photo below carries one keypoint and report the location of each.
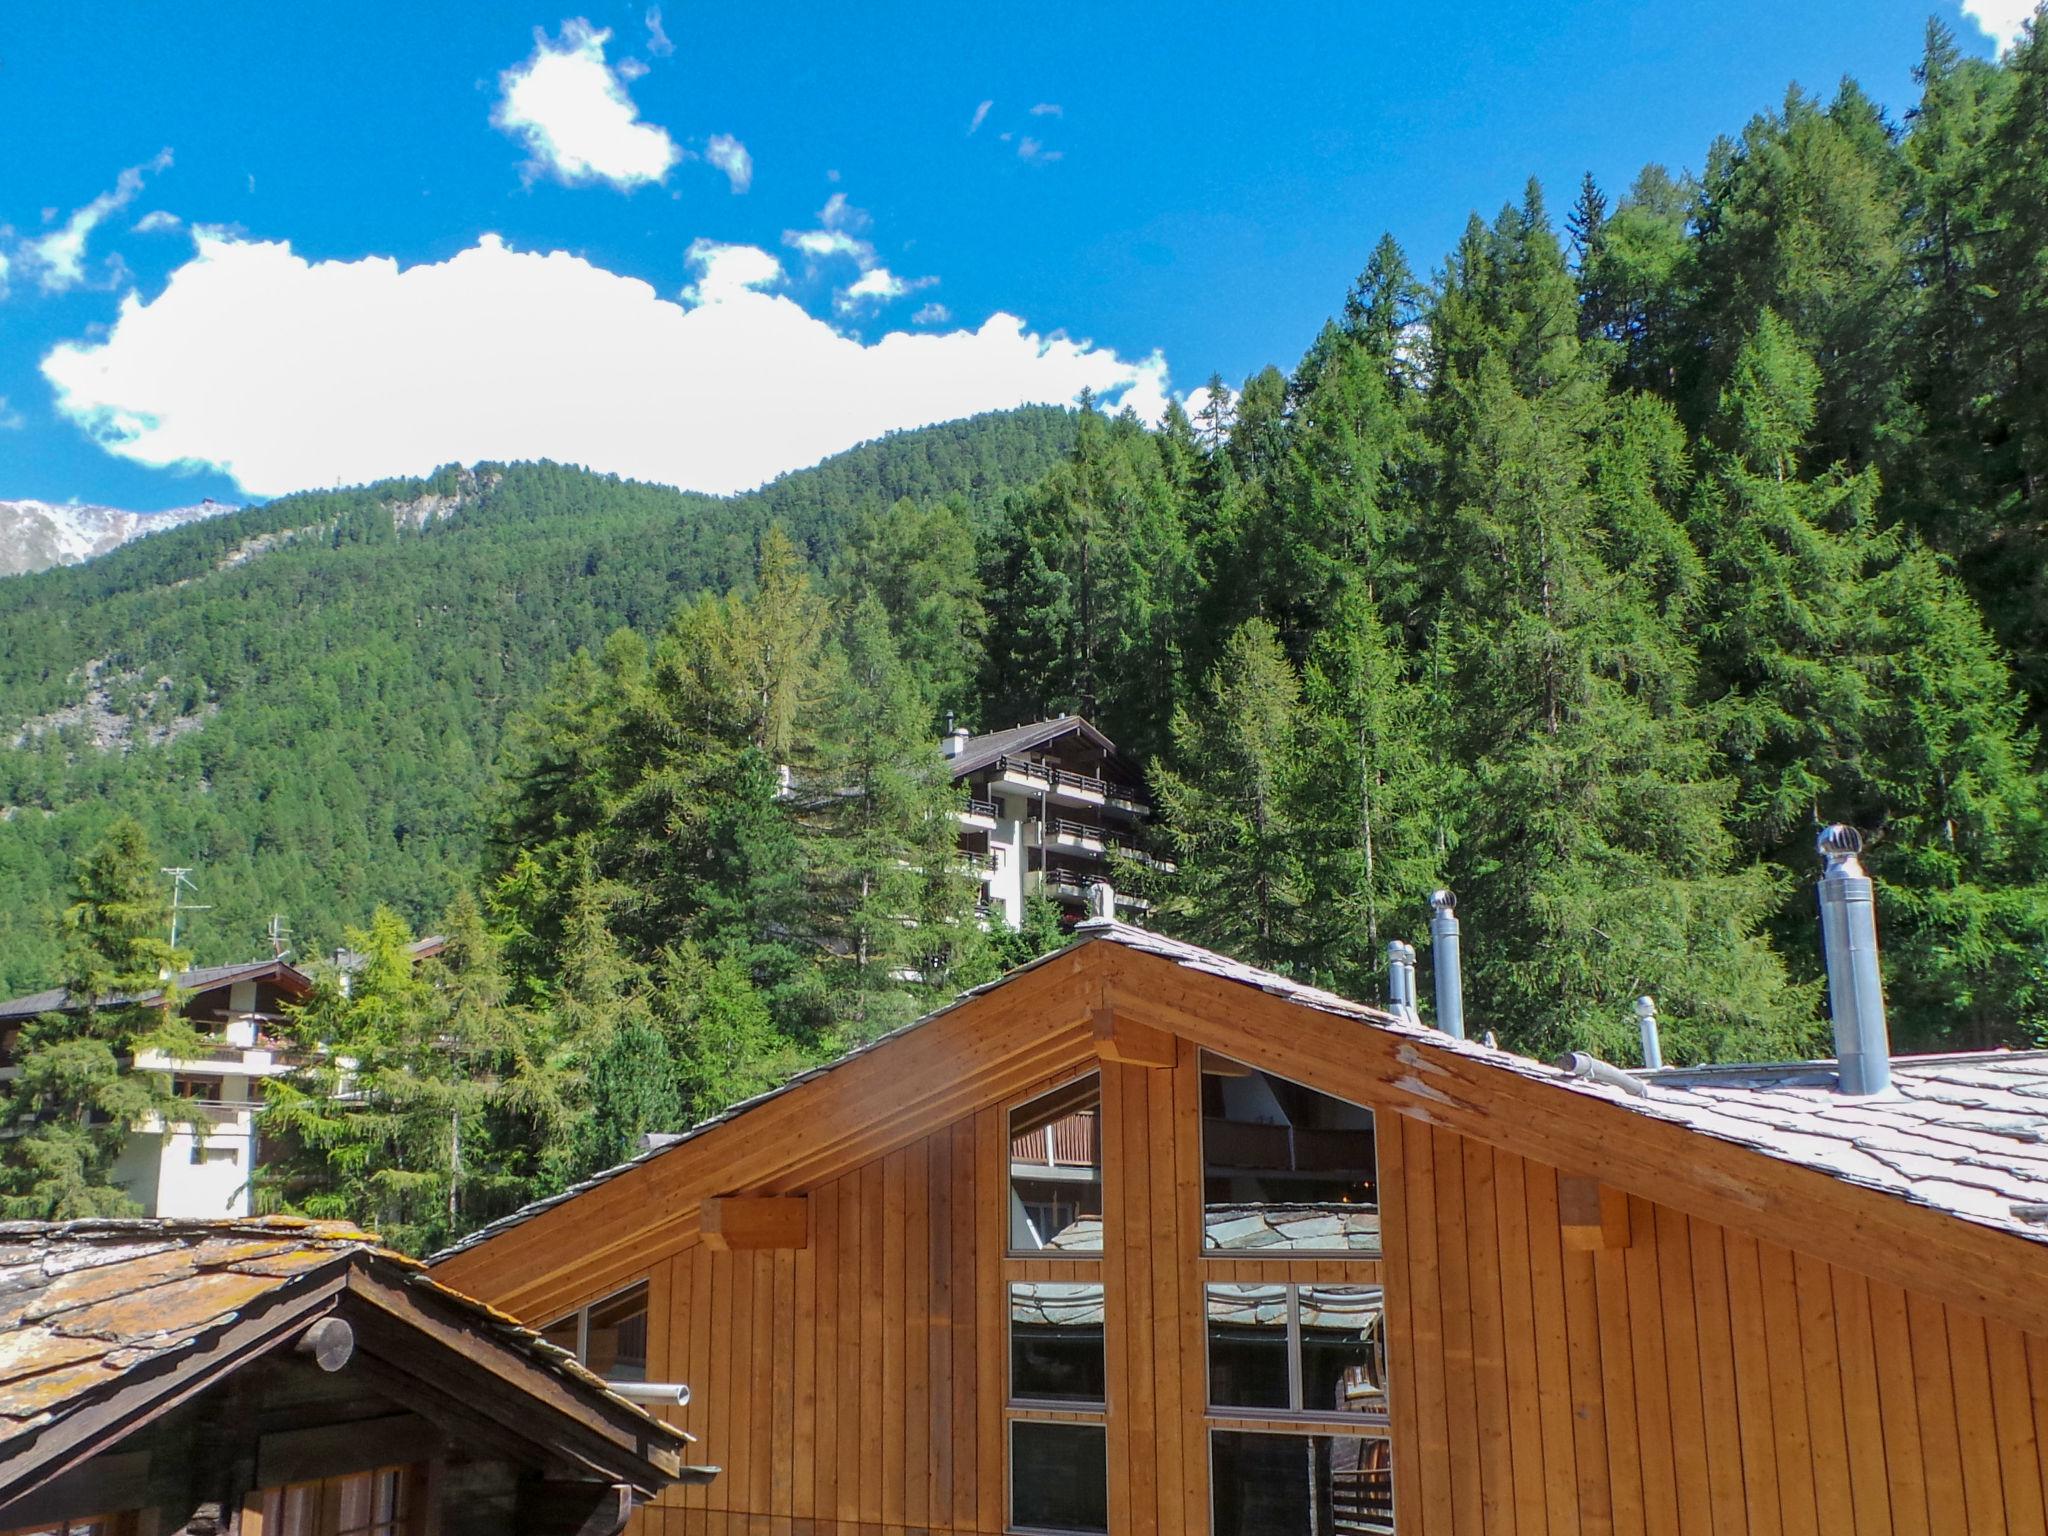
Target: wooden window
(1285, 1169)
(608, 1337)
(1315, 1350)
(1059, 1476)
(1055, 1187)
(380, 1503)
(1056, 1345)
(1299, 1484)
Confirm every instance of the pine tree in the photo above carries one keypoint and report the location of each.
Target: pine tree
(1376, 797)
(1592, 852)
(78, 1093)
(387, 1118)
(1230, 800)
(1858, 684)
(878, 813)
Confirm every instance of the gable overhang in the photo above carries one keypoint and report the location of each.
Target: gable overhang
(1044, 1022)
(412, 1346)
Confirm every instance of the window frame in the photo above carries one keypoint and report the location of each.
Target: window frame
(582, 1316)
(1371, 1255)
(1303, 1420)
(1297, 1428)
(1081, 1419)
(1101, 1167)
(1028, 1407)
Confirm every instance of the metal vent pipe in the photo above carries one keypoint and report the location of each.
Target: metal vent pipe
(1444, 960)
(1653, 1044)
(1848, 924)
(1401, 981)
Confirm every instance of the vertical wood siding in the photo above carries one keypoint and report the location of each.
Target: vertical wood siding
(1696, 1382)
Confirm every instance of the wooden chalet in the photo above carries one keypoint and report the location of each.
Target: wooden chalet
(277, 1377)
(1139, 1239)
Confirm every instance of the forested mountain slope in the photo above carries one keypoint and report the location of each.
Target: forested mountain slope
(304, 699)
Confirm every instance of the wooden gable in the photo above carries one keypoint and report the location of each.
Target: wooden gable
(1596, 1320)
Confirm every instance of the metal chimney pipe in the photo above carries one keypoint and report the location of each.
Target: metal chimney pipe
(1408, 990)
(1443, 956)
(1397, 998)
(1848, 925)
(1102, 899)
(1653, 1045)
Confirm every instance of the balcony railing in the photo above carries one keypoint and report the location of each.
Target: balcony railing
(1078, 831)
(980, 807)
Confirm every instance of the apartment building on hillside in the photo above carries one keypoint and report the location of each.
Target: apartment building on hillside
(200, 1168)
(1047, 805)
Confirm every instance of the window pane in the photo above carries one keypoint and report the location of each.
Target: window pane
(1343, 1349)
(1300, 1485)
(1248, 1346)
(1056, 1353)
(562, 1333)
(1284, 1168)
(1059, 1476)
(1056, 1170)
(618, 1336)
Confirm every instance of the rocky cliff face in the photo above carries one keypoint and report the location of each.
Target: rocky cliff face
(35, 535)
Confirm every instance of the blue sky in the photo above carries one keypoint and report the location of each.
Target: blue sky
(254, 247)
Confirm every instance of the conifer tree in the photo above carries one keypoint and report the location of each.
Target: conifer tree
(1230, 799)
(78, 1094)
(387, 1118)
(1858, 684)
(1591, 852)
(888, 889)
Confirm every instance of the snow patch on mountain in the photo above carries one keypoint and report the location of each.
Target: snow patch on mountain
(35, 535)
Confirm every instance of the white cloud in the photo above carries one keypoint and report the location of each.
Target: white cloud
(839, 235)
(1030, 149)
(158, 221)
(59, 257)
(657, 40)
(731, 157)
(933, 313)
(820, 244)
(6, 267)
(2004, 20)
(724, 271)
(980, 115)
(286, 373)
(1047, 109)
(575, 117)
(877, 286)
(11, 420)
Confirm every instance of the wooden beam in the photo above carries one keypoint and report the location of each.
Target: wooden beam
(1121, 1038)
(1592, 1215)
(755, 1223)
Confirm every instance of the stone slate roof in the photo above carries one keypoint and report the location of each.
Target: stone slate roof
(980, 751)
(83, 1302)
(1959, 1134)
(204, 978)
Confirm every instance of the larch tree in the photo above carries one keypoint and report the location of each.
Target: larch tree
(77, 1094)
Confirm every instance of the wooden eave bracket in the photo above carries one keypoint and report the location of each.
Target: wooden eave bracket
(755, 1223)
(1593, 1216)
(1120, 1038)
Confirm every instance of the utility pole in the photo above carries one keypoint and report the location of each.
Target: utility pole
(181, 882)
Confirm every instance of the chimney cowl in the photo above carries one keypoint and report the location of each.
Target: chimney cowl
(1653, 1040)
